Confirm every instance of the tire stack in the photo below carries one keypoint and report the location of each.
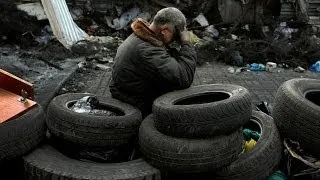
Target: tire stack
(199, 131)
(88, 131)
(297, 113)
(196, 129)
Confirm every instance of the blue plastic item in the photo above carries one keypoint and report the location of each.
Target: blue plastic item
(316, 66)
(257, 67)
(250, 134)
(278, 175)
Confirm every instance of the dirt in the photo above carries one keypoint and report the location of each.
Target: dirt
(53, 52)
(81, 82)
(14, 24)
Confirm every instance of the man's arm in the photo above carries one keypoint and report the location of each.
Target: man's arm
(157, 64)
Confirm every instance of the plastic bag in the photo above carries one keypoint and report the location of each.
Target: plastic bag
(85, 104)
(249, 145)
(316, 66)
(264, 107)
(250, 134)
(278, 175)
(90, 105)
(251, 137)
(257, 67)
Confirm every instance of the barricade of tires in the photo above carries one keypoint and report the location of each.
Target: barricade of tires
(199, 130)
(192, 131)
(297, 113)
(90, 131)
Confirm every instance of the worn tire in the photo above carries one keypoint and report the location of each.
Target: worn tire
(90, 130)
(22, 134)
(297, 117)
(46, 163)
(214, 117)
(187, 155)
(262, 160)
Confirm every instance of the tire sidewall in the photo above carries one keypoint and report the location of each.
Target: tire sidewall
(262, 160)
(48, 162)
(299, 89)
(60, 102)
(168, 100)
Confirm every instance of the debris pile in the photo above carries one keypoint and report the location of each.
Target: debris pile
(302, 49)
(242, 39)
(16, 26)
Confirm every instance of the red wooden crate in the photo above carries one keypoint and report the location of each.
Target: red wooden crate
(10, 95)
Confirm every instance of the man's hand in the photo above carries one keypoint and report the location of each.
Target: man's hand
(184, 36)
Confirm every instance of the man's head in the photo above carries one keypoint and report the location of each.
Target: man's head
(167, 24)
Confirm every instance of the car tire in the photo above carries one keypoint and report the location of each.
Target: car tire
(187, 155)
(22, 134)
(46, 163)
(93, 130)
(297, 112)
(262, 160)
(203, 111)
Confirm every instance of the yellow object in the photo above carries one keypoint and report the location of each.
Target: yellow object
(194, 39)
(249, 145)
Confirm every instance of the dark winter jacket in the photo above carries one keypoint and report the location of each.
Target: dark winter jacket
(144, 69)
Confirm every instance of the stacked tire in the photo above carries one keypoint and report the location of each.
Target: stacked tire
(22, 134)
(263, 159)
(19, 136)
(90, 131)
(297, 112)
(199, 131)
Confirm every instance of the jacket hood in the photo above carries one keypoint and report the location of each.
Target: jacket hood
(141, 29)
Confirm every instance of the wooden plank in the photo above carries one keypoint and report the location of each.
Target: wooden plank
(15, 84)
(11, 107)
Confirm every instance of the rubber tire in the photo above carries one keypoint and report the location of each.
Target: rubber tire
(298, 118)
(262, 160)
(202, 120)
(22, 134)
(90, 130)
(187, 155)
(46, 163)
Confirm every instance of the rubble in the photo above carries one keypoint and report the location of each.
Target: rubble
(14, 23)
(202, 20)
(211, 32)
(232, 40)
(33, 9)
(238, 59)
(271, 67)
(231, 70)
(283, 31)
(103, 67)
(299, 69)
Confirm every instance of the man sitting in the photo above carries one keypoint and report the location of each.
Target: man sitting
(145, 68)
